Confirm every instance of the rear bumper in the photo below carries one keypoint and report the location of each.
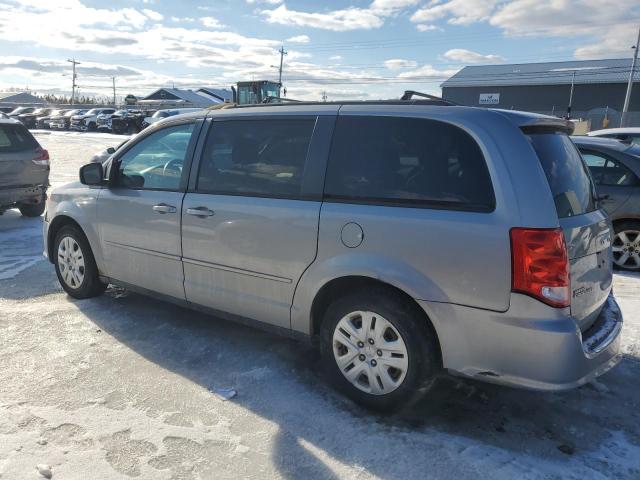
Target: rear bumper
(531, 345)
(31, 193)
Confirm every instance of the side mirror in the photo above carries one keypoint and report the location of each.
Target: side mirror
(92, 174)
(111, 150)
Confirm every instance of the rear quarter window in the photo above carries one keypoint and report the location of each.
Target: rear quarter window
(16, 138)
(568, 176)
(407, 162)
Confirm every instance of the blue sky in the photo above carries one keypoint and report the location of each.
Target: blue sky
(358, 49)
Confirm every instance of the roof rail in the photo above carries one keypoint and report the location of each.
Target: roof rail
(409, 94)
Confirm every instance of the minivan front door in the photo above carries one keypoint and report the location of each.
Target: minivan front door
(139, 214)
(250, 228)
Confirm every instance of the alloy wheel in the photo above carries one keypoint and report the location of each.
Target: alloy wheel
(370, 352)
(626, 249)
(71, 262)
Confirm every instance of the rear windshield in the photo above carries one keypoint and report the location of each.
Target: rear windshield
(16, 138)
(568, 176)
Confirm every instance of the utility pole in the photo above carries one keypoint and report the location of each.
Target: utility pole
(627, 97)
(113, 80)
(573, 82)
(324, 96)
(282, 54)
(73, 80)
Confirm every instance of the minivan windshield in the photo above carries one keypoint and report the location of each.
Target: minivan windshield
(568, 176)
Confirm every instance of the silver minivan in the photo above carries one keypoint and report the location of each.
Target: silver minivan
(405, 237)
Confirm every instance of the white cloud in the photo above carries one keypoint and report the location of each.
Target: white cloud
(211, 22)
(337, 20)
(336, 57)
(423, 27)
(299, 39)
(153, 15)
(610, 24)
(351, 18)
(396, 63)
(458, 12)
(269, 2)
(468, 56)
(426, 73)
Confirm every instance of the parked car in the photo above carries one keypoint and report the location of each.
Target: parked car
(104, 155)
(628, 135)
(615, 168)
(103, 122)
(20, 110)
(6, 110)
(29, 120)
(43, 120)
(87, 121)
(128, 121)
(170, 112)
(24, 170)
(62, 122)
(406, 237)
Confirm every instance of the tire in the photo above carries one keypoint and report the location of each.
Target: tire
(400, 320)
(32, 209)
(626, 246)
(82, 280)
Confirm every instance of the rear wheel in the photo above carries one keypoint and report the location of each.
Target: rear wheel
(32, 209)
(378, 349)
(75, 266)
(626, 246)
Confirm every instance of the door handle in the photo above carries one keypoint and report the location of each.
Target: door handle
(201, 212)
(164, 208)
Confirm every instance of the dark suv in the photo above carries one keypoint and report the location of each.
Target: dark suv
(24, 170)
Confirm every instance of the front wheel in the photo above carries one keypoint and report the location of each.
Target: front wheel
(75, 266)
(379, 349)
(626, 246)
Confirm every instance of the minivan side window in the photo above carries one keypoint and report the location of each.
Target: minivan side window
(409, 162)
(263, 157)
(155, 163)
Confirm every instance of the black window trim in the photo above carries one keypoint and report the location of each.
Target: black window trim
(186, 166)
(315, 162)
(414, 203)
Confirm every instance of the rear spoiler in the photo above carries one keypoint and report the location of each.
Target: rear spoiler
(532, 122)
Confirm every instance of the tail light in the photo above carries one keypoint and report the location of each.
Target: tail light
(41, 158)
(540, 265)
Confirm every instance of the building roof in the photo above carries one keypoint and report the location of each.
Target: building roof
(222, 94)
(19, 97)
(549, 73)
(179, 95)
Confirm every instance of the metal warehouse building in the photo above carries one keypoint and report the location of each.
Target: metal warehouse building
(599, 88)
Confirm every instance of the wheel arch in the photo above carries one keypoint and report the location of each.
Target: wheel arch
(56, 224)
(340, 286)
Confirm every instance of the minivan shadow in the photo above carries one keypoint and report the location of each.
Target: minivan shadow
(312, 417)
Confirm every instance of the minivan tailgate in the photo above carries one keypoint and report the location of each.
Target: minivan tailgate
(588, 239)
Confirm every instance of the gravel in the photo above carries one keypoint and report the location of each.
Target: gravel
(124, 386)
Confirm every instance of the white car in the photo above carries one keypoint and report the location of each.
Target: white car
(88, 121)
(627, 135)
(169, 112)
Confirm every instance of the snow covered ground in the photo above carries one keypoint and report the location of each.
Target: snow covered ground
(123, 386)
